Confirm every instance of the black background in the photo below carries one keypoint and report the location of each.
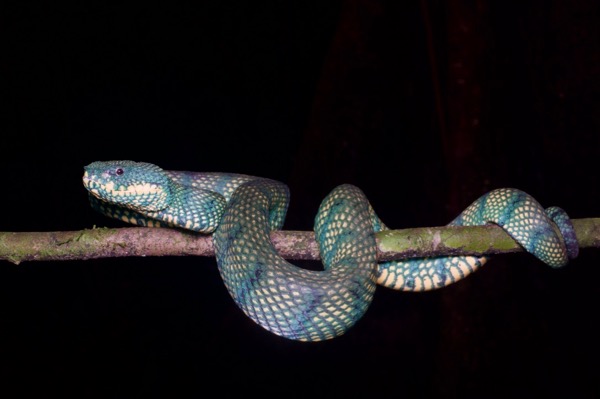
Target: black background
(254, 88)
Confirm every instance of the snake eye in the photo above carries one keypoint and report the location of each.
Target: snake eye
(119, 171)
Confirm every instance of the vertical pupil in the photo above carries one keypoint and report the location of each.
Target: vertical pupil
(119, 171)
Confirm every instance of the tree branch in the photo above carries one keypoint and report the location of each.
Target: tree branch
(140, 241)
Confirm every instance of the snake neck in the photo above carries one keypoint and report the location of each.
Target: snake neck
(190, 208)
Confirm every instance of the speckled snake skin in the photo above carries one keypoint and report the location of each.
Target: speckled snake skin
(296, 303)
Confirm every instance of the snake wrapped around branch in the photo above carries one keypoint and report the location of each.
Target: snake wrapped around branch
(240, 211)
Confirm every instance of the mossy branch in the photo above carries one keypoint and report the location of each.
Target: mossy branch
(17, 247)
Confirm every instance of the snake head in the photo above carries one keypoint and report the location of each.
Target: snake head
(135, 185)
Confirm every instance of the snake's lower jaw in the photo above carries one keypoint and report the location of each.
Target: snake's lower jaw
(88, 184)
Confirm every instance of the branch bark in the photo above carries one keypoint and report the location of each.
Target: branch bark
(17, 247)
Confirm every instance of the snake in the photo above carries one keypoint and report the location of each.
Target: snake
(240, 211)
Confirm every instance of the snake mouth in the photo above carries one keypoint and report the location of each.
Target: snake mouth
(91, 185)
(110, 188)
(138, 196)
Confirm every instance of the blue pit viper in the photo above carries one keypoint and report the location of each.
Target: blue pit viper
(293, 302)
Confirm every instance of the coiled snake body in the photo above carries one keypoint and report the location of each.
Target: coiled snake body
(296, 303)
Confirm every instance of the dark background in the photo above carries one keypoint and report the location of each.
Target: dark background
(423, 104)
